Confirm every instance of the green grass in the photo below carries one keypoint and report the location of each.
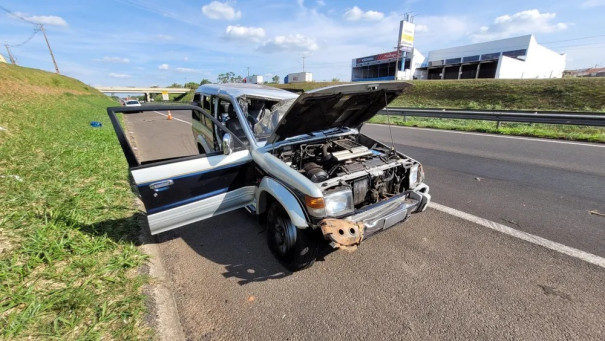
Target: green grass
(567, 132)
(567, 94)
(68, 260)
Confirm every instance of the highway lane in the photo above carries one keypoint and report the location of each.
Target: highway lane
(154, 137)
(433, 277)
(546, 188)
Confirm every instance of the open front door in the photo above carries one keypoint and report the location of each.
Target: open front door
(181, 176)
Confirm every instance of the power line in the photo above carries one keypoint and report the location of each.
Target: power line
(16, 15)
(27, 40)
(39, 27)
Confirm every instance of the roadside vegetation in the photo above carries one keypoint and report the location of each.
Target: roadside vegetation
(69, 267)
(567, 94)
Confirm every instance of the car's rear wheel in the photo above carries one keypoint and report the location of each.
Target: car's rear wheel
(294, 248)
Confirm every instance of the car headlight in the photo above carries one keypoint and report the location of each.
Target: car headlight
(339, 202)
(416, 175)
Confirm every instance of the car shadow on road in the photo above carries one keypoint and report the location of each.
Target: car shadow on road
(235, 240)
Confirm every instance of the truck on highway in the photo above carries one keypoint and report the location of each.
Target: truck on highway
(297, 162)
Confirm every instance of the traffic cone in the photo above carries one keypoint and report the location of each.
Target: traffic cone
(169, 116)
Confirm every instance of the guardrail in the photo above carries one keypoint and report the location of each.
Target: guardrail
(550, 117)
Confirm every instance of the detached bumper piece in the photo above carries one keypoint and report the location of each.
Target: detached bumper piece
(343, 234)
(348, 233)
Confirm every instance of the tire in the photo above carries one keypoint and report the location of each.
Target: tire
(294, 248)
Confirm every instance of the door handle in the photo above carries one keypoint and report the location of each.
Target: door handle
(161, 185)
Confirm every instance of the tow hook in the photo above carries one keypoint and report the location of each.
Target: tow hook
(343, 234)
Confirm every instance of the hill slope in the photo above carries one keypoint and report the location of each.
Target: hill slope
(573, 94)
(67, 223)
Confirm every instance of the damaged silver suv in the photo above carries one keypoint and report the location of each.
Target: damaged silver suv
(298, 162)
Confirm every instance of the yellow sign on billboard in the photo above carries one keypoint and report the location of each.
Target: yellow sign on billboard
(406, 34)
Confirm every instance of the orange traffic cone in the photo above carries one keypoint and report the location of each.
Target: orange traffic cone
(169, 116)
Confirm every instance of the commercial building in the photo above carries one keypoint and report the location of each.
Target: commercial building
(386, 66)
(519, 57)
(395, 65)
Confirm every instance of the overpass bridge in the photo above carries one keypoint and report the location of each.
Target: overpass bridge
(146, 91)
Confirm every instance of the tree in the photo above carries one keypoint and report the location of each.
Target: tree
(335, 79)
(226, 77)
(205, 81)
(191, 85)
(229, 77)
(275, 79)
(175, 85)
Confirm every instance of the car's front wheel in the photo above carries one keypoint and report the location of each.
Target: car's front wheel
(294, 248)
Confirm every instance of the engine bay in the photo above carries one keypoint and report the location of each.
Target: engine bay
(371, 170)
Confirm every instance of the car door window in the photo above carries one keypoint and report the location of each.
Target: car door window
(160, 135)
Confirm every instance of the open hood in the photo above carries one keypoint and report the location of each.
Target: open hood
(336, 106)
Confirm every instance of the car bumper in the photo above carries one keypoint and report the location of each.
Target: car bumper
(348, 232)
(393, 211)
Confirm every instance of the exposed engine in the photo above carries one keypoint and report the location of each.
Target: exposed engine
(373, 171)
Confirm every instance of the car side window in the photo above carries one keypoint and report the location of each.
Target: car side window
(209, 135)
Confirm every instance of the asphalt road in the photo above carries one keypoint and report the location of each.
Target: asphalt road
(154, 137)
(433, 277)
(542, 187)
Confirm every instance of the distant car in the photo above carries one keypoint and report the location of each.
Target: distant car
(132, 103)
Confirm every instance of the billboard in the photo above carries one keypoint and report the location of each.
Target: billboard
(377, 59)
(406, 36)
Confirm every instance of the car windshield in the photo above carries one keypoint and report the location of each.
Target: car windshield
(268, 119)
(132, 102)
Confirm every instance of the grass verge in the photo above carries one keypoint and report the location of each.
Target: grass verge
(552, 131)
(68, 260)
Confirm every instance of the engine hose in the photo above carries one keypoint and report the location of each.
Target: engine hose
(390, 177)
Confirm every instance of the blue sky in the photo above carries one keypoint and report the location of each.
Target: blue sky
(145, 42)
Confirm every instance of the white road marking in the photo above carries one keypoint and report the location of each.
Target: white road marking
(570, 251)
(174, 118)
(500, 136)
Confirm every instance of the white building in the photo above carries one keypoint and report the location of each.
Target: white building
(254, 79)
(298, 77)
(519, 57)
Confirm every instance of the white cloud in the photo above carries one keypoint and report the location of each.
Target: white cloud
(320, 3)
(245, 33)
(421, 28)
(592, 3)
(292, 42)
(43, 19)
(163, 67)
(524, 22)
(114, 60)
(219, 10)
(185, 70)
(118, 75)
(165, 37)
(357, 13)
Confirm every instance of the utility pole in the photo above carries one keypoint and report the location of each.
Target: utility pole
(10, 55)
(303, 63)
(49, 49)
(248, 70)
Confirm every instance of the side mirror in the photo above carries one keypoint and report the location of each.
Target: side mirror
(227, 144)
